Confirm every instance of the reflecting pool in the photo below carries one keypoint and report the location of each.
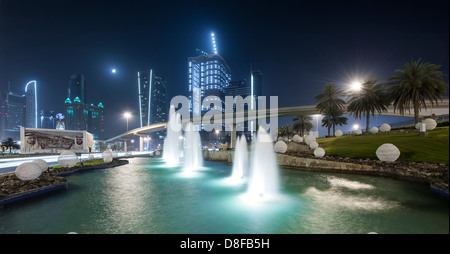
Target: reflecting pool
(145, 196)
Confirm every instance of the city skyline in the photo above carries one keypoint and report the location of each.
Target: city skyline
(299, 47)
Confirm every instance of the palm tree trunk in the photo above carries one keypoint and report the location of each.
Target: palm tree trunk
(329, 127)
(367, 121)
(416, 112)
(334, 129)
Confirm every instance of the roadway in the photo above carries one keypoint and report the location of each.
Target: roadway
(8, 165)
(441, 109)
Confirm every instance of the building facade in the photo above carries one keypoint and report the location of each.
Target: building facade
(31, 110)
(84, 117)
(153, 104)
(15, 115)
(47, 119)
(77, 88)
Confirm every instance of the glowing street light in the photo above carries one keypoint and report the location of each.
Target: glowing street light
(356, 86)
(113, 70)
(127, 115)
(355, 127)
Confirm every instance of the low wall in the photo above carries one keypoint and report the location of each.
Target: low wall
(436, 174)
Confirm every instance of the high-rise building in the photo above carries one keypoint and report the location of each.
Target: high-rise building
(209, 75)
(47, 119)
(3, 114)
(153, 106)
(77, 88)
(31, 115)
(15, 115)
(85, 117)
(251, 86)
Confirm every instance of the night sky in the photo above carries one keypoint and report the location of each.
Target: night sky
(298, 45)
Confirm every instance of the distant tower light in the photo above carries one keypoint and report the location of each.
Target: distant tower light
(214, 43)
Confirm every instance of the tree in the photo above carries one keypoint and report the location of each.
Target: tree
(414, 84)
(370, 99)
(329, 100)
(302, 124)
(333, 118)
(11, 144)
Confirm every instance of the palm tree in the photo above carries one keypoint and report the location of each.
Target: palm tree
(11, 144)
(332, 119)
(370, 99)
(416, 83)
(329, 100)
(302, 124)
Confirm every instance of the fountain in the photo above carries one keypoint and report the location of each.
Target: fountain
(172, 143)
(263, 180)
(193, 157)
(240, 161)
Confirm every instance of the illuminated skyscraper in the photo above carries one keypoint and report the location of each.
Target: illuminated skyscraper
(31, 115)
(153, 106)
(48, 119)
(84, 117)
(209, 75)
(77, 88)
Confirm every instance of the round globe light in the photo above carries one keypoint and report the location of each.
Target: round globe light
(319, 152)
(107, 156)
(42, 164)
(297, 138)
(313, 145)
(418, 126)
(388, 152)
(338, 133)
(28, 171)
(374, 130)
(309, 139)
(280, 147)
(358, 132)
(431, 124)
(385, 127)
(67, 159)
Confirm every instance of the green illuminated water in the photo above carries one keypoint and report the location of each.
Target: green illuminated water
(145, 197)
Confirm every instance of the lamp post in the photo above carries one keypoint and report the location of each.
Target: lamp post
(356, 87)
(127, 115)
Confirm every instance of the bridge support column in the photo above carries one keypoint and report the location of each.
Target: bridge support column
(125, 146)
(141, 144)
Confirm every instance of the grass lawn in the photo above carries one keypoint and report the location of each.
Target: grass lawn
(431, 148)
(86, 163)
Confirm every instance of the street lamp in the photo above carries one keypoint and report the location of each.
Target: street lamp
(127, 115)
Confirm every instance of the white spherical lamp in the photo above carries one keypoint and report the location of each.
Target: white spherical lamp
(68, 159)
(358, 132)
(319, 152)
(297, 138)
(28, 171)
(313, 145)
(338, 133)
(107, 156)
(385, 127)
(431, 124)
(309, 139)
(280, 147)
(388, 152)
(374, 130)
(42, 164)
